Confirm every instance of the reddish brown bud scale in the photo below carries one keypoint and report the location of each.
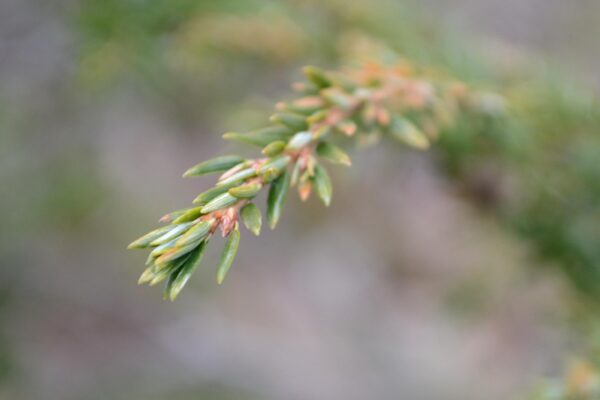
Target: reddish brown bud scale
(304, 190)
(348, 128)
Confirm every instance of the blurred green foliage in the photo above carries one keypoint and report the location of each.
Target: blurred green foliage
(540, 170)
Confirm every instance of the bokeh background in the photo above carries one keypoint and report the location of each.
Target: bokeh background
(470, 272)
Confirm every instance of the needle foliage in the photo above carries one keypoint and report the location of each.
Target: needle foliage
(363, 105)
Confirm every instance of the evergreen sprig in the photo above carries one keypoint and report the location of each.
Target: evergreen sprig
(366, 104)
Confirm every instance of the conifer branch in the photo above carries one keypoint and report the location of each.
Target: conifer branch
(366, 104)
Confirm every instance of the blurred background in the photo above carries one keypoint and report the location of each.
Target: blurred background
(470, 272)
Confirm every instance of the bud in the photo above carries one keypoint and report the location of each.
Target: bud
(304, 190)
(228, 221)
(348, 128)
